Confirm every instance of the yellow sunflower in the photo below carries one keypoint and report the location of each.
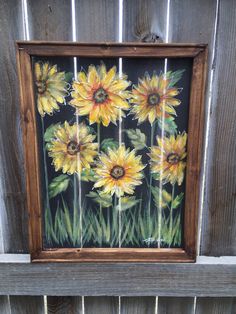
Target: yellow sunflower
(152, 97)
(119, 171)
(72, 148)
(101, 94)
(168, 158)
(51, 87)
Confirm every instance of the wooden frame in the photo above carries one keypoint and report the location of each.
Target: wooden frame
(199, 54)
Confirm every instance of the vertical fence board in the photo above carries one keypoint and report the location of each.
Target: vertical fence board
(216, 306)
(51, 20)
(194, 21)
(26, 305)
(13, 217)
(62, 305)
(12, 199)
(101, 305)
(98, 21)
(175, 305)
(133, 305)
(219, 224)
(144, 20)
(4, 305)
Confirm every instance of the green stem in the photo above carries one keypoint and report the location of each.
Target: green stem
(171, 215)
(150, 182)
(45, 165)
(74, 204)
(99, 135)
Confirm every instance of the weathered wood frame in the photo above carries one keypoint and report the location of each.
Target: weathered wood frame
(198, 52)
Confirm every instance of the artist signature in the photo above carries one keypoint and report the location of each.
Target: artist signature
(152, 241)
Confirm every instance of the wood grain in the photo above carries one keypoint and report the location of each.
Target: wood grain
(26, 305)
(135, 305)
(219, 223)
(13, 214)
(50, 19)
(128, 279)
(216, 306)
(175, 305)
(109, 49)
(192, 21)
(4, 305)
(97, 21)
(64, 305)
(101, 305)
(115, 255)
(145, 20)
(13, 217)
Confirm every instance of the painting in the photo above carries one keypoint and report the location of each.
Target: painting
(112, 148)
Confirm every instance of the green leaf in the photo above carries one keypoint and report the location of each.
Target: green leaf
(58, 185)
(49, 133)
(104, 200)
(109, 143)
(137, 138)
(174, 76)
(177, 201)
(126, 203)
(88, 175)
(169, 125)
(68, 76)
(161, 197)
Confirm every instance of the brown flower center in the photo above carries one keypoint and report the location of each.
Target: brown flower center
(42, 86)
(100, 95)
(154, 99)
(73, 148)
(173, 158)
(117, 172)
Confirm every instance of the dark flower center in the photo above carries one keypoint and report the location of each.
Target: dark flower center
(73, 148)
(42, 86)
(173, 158)
(117, 172)
(154, 99)
(100, 96)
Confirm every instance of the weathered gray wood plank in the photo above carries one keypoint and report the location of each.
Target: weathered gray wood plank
(175, 305)
(73, 279)
(145, 20)
(219, 224)
(26, 305)
(50, 19)
(97, 20)
(101, 305)
(216, 306)
(194, 22)
(135, 305)
(13, 220)
(62, 305)
(4, 304)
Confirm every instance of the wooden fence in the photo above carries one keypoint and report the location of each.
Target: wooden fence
(141, 289)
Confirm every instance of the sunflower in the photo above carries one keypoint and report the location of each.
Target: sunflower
(152, 97)
(100, 94)
(51, 87)
(168, 158)
(72, 148)
(119, 171)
